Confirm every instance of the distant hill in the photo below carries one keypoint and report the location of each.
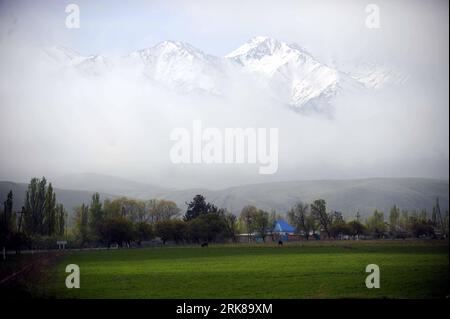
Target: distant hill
(108, 185)
(69, 198)
(347, 196)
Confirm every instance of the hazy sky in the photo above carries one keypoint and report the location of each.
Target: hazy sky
(51, 126)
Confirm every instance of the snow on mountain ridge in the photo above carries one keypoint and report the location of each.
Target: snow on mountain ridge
(179, 65)
(291, 74)
(265, 55)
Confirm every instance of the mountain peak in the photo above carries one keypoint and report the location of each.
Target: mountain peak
(292, 73)
(263, 39)
(172, 47)
(259, 38)
(267, 54)
(264, 45)
(261, 46)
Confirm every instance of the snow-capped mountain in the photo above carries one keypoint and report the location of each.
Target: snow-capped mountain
(293, 74)
(180, 66)
(96, 65)
(87, 65)
(288, 72)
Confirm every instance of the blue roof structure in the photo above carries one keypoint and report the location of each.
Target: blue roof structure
(281, 226)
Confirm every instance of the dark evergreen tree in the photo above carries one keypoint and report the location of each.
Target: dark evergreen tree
(318, 209)
(199, 207)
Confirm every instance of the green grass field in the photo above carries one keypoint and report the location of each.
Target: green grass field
(409, 269)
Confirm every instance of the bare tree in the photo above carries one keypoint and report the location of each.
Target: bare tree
(319, 211)
(298, 216)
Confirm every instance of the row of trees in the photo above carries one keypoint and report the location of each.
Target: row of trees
(124, 221)
(314, 218)
(307, 219)
(256, 221)
(403, 223)
(121, 220)
(207, 227)
(41, 216)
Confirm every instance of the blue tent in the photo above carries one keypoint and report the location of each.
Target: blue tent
(281, 226)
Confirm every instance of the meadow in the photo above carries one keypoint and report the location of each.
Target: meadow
(409, 269)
